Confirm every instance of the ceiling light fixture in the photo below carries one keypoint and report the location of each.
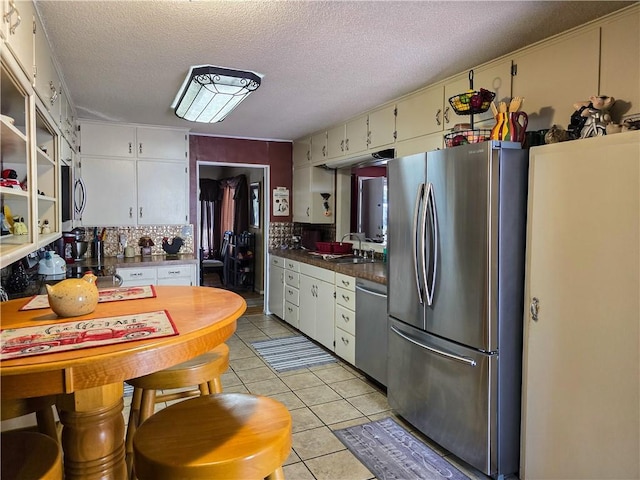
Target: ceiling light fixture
(210, 93)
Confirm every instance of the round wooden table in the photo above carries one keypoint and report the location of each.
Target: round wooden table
(89, 381)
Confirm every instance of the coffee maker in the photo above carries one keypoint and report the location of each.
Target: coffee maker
(74, 245)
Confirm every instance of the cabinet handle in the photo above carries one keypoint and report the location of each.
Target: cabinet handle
(140, 148)
(130, 147)
(140, 212)
(54, 94)
(12, 8)
(438, 122)
(308, 155)
(534, 308)
(346, 283)
(130, 212)
(369, 137)
(12, 29)
(342, 146)
(345, 340)
(346, 145)
(307, 211)
(446, 115)
(345, 298)
(290, 309)
(345, 318)
(324, 150)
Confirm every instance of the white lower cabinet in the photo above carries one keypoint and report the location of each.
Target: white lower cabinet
(317, 315)
(345, 318)
(292, 293)
(276, 286)
(180, 274)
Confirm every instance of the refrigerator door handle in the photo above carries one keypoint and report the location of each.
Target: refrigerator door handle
(417, 248)
(469, 361)
(433, 245)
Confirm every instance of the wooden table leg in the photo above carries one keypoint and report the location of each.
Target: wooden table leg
(93, 433)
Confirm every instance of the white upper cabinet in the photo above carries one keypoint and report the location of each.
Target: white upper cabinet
(554, 75)
(319, 148)
(420, 113)
(620, 63)
(356, 135)
(108, 140)
(162, 192)
(336, 139)
(17, 28)
(382, 127)
(308, 204)
(47, 81)
(302, 151)
(161, 143)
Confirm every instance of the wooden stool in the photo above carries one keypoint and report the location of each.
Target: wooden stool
(41, 406)
(224, 436)
(30, 455)
(203, 371)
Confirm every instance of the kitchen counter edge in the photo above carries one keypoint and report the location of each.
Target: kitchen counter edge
(374, 271)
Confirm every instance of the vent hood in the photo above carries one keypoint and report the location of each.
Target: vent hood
(369, 158)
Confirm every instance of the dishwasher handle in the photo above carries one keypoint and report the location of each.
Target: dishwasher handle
(371, 292)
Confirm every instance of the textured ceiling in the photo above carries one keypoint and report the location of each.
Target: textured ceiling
(322, 61)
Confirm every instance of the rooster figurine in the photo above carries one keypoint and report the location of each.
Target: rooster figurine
(173, 247)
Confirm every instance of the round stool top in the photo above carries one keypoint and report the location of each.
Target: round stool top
(30, 455)
(229, 435)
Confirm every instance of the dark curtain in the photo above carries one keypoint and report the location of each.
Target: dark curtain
(211, 194)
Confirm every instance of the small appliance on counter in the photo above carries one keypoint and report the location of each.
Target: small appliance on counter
(75, 245)
(52, 265)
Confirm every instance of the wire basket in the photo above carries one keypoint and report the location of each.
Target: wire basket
(472, 102)
(462, 137)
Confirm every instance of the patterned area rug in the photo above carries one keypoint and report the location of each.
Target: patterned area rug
(390, 452)
(291, 353)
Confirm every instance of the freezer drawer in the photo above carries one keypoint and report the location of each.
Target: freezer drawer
(449, 398)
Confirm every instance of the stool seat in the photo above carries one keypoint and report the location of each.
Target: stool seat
(203, 372)
(29, 455)
(221, 436)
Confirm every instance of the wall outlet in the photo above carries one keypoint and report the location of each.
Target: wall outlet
(187, 230)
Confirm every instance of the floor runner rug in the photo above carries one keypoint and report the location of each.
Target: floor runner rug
(291, 353)
(390, 453)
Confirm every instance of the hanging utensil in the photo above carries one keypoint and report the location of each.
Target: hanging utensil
(494, 109)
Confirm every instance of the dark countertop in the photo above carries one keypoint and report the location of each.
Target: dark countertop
(111, 263)
(374, 271)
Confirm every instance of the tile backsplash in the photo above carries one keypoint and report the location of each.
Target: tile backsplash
(112, 245)
(281, 233)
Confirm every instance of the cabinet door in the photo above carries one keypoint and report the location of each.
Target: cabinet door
(137, 276)
(382, 127)
(19, 34)
(162, 192)
(620, 52)
(420, 113)
(107, 139)
(336, 141)
(581, 384)
(357, 131)
(47, 81)
(276, 290)
(301, 194)
(319, 148)
(307, 310)
(161, 143)
(302, 152)
(325, 314)
(177, 275)
(554, 76)
(111, 191)
(455, 86)
(425, 143)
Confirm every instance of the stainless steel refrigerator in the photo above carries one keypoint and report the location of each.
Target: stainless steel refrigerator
(456, 241)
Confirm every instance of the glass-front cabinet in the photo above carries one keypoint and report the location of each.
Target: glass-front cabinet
(30, 183)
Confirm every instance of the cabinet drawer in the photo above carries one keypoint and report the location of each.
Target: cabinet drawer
(346, 298)
(174, 272)
(317, 272)
(292, 279)
(345, 281)
(136, 274)
(345, 346)
(292, 265)
(292, 295)
(346, 319)
(276, 261)
(291, 314)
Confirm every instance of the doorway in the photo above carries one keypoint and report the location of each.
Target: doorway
(258, 180)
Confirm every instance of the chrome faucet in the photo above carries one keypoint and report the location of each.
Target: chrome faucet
(348, 235)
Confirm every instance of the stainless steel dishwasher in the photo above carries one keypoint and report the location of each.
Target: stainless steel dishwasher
(371, 329)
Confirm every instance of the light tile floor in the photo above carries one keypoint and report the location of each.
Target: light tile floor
(320, 399)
